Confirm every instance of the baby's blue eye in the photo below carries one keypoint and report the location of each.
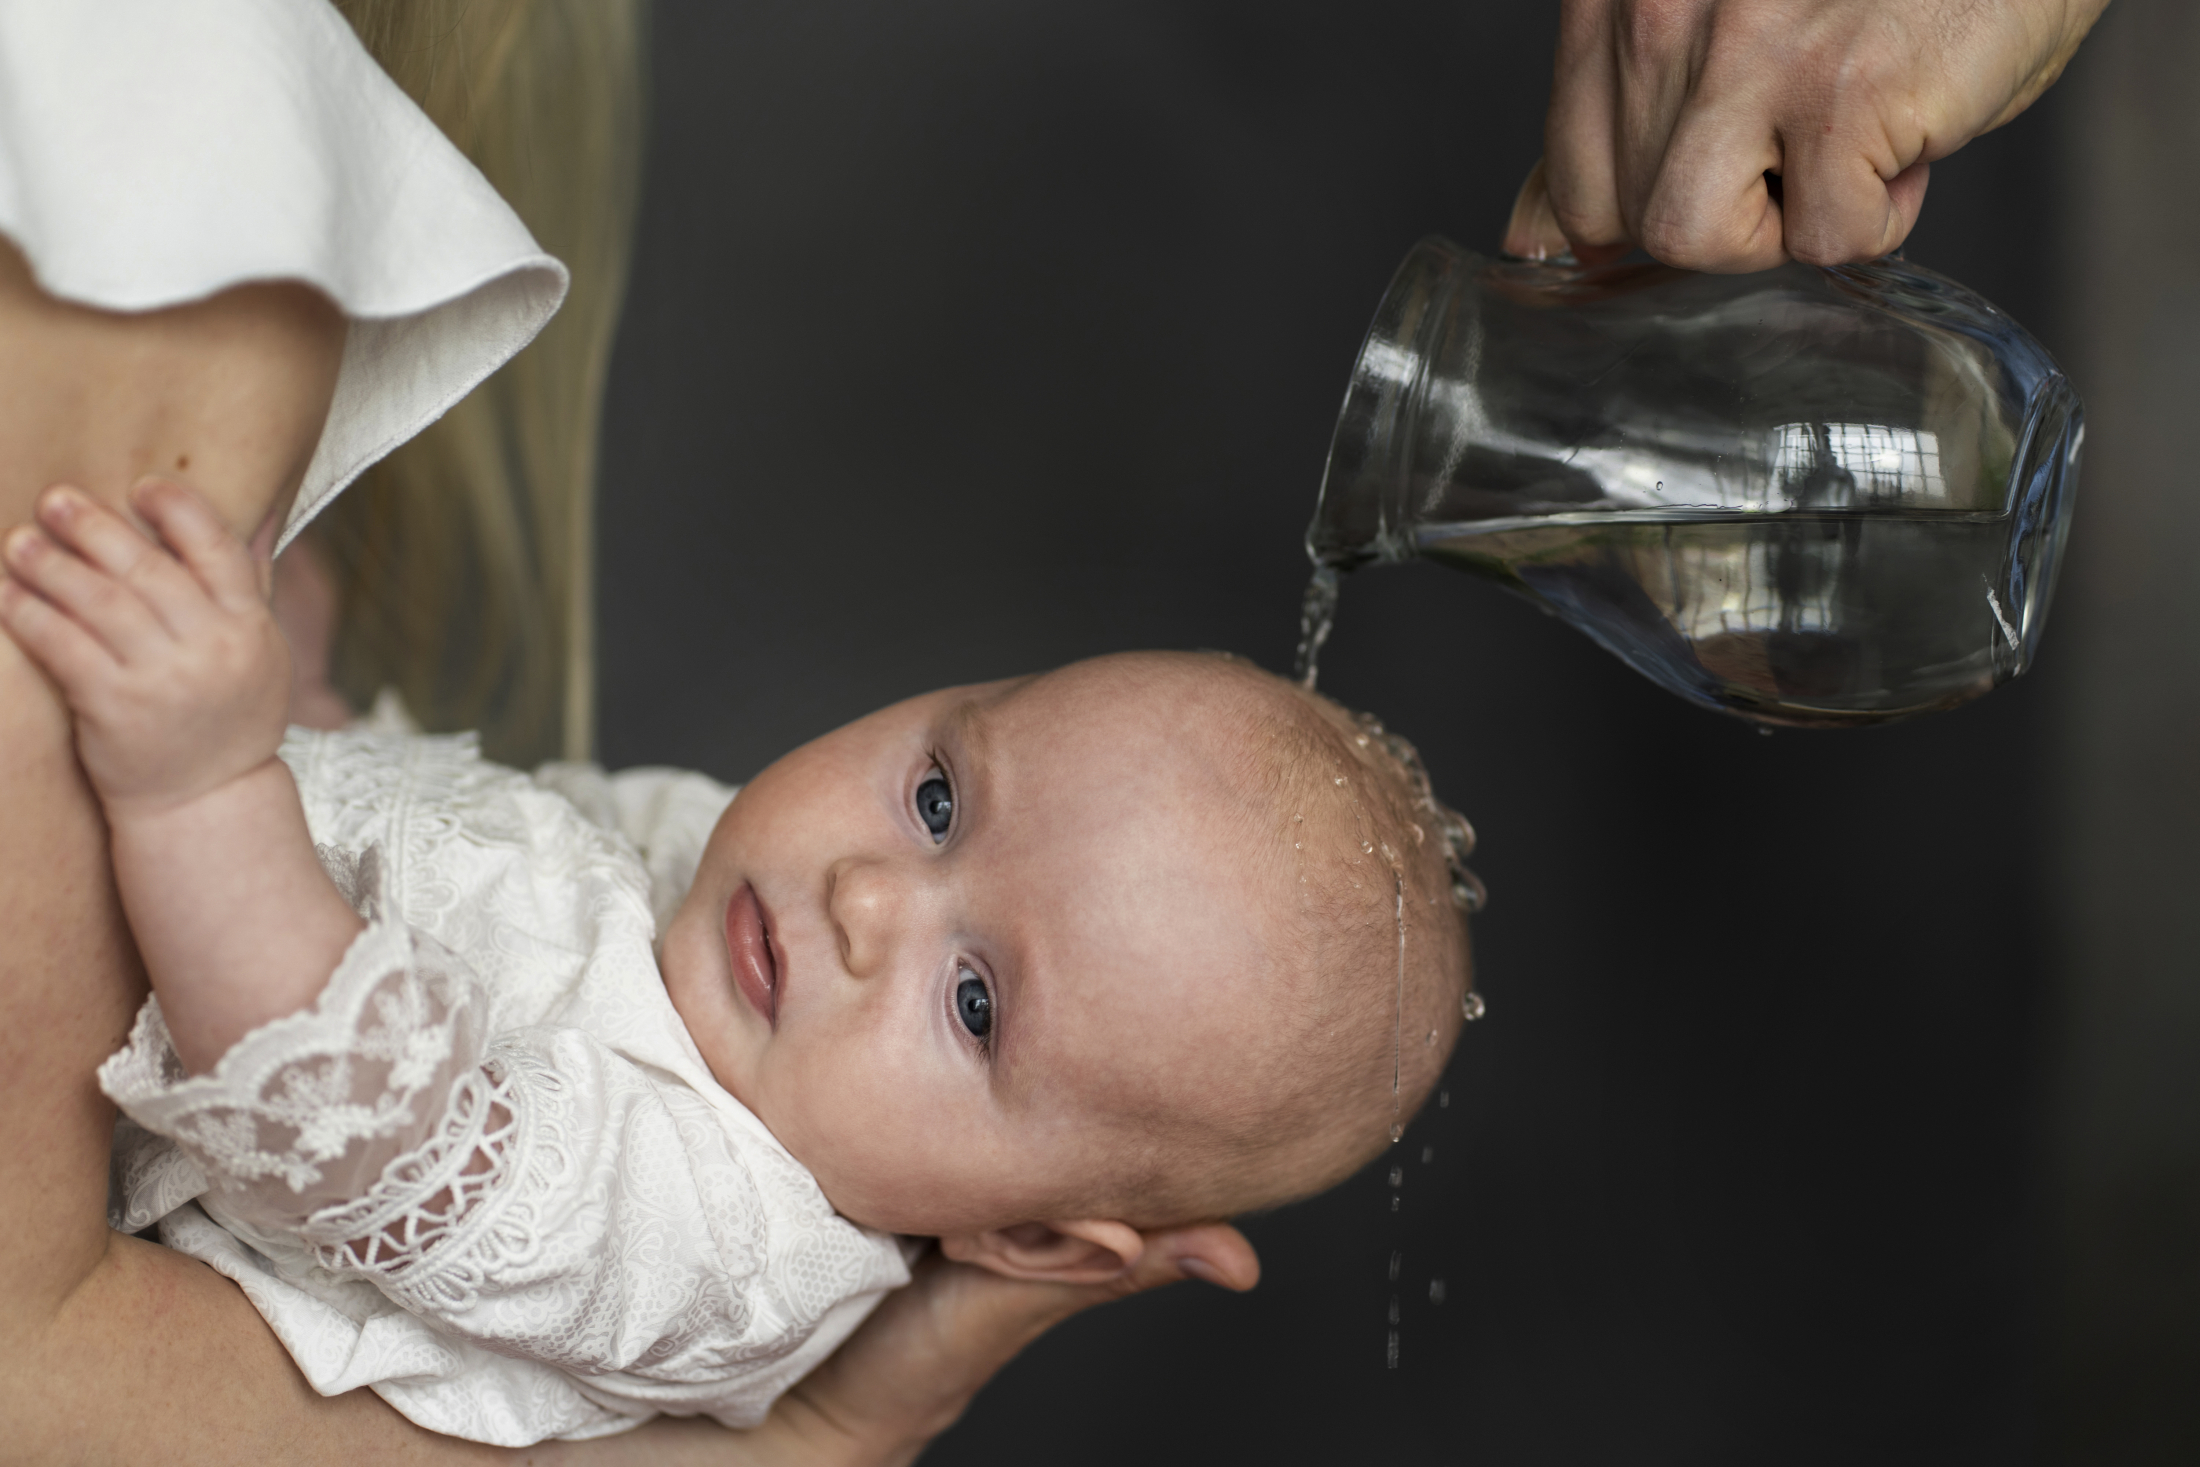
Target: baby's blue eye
(936, 807)
(974, 1005)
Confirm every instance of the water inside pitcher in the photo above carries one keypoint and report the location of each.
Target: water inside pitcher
(1806, 496)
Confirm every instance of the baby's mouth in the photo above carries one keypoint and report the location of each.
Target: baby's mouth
(749, 944)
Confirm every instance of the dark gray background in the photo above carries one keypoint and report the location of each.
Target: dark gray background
(969, 338)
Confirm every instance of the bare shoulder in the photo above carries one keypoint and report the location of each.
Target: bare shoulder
(228, 394)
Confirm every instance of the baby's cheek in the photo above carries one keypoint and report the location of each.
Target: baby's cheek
(872, 1139)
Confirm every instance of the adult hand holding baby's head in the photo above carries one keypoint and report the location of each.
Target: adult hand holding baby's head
(165, 650)
(917, 1363)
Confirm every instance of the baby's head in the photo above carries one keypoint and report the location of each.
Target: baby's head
(1031, 965)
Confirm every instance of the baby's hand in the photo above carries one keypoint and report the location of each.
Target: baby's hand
(166, 652)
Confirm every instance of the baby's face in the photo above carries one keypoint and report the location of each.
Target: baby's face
(942, 951)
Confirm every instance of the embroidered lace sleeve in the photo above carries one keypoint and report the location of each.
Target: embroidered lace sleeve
(533, 1191)
(363, 1124)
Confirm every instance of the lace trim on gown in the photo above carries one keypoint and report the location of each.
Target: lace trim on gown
(501, 1190)
(371, 1125)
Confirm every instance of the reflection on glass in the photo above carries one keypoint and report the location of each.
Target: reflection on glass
(1806, 496)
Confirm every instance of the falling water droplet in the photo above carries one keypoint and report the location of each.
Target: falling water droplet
(1391, 1355)
(1764, 732)
(1393, 1308)
(1397, 1176)
(1398, 1022)
(1443, 1100)
(1393, 1202)
(1396, 1258)
(1428, 1154)
(1468, 893)
(1436, 1291)
(1471, 1007)
(1317, 614)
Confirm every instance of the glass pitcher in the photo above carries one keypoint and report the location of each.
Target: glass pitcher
(1807, 496)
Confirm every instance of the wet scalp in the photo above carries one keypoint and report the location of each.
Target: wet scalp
(1340, 827)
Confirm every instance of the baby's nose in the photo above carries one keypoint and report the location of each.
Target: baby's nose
(865, 902)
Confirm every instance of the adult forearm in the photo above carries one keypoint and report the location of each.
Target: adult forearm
(98, 399)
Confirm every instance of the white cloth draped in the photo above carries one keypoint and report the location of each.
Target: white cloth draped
(154, 152)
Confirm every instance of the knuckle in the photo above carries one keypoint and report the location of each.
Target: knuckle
(1812, 248)
(102, 598)
(1689, 244)
(142, 570)
(1677, 239)
(1827, 242)
(1651, 30)
(1585, 220)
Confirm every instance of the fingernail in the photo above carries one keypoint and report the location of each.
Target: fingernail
(1198, 1269)
(18, 544)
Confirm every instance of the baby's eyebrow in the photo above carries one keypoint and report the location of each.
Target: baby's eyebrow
(969, 731)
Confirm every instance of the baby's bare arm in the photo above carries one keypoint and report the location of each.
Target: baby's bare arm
(177, 678)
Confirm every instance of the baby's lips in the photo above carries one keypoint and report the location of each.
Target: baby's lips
(748, 947)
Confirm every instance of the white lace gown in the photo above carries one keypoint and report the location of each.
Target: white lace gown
(488, 1175)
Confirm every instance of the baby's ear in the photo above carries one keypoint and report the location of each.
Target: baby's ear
(1081, 1252)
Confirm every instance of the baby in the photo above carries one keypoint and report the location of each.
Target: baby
(543, 1105)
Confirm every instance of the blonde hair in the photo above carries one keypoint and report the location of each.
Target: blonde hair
(1370, 970)
(1379, 956)
(464, 561)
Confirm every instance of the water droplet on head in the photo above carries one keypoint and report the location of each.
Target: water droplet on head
(1432, 1039)
(1340, 779)
(1397, 1133)
(1471, 1006)
(1436, 1291)
(1361, 741)
(1298, 845)
(1298, 819)
(1468, 893)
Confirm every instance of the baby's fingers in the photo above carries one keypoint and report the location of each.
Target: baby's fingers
(188, 525)
(74, 588)
(70, 655)
(113, 546)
